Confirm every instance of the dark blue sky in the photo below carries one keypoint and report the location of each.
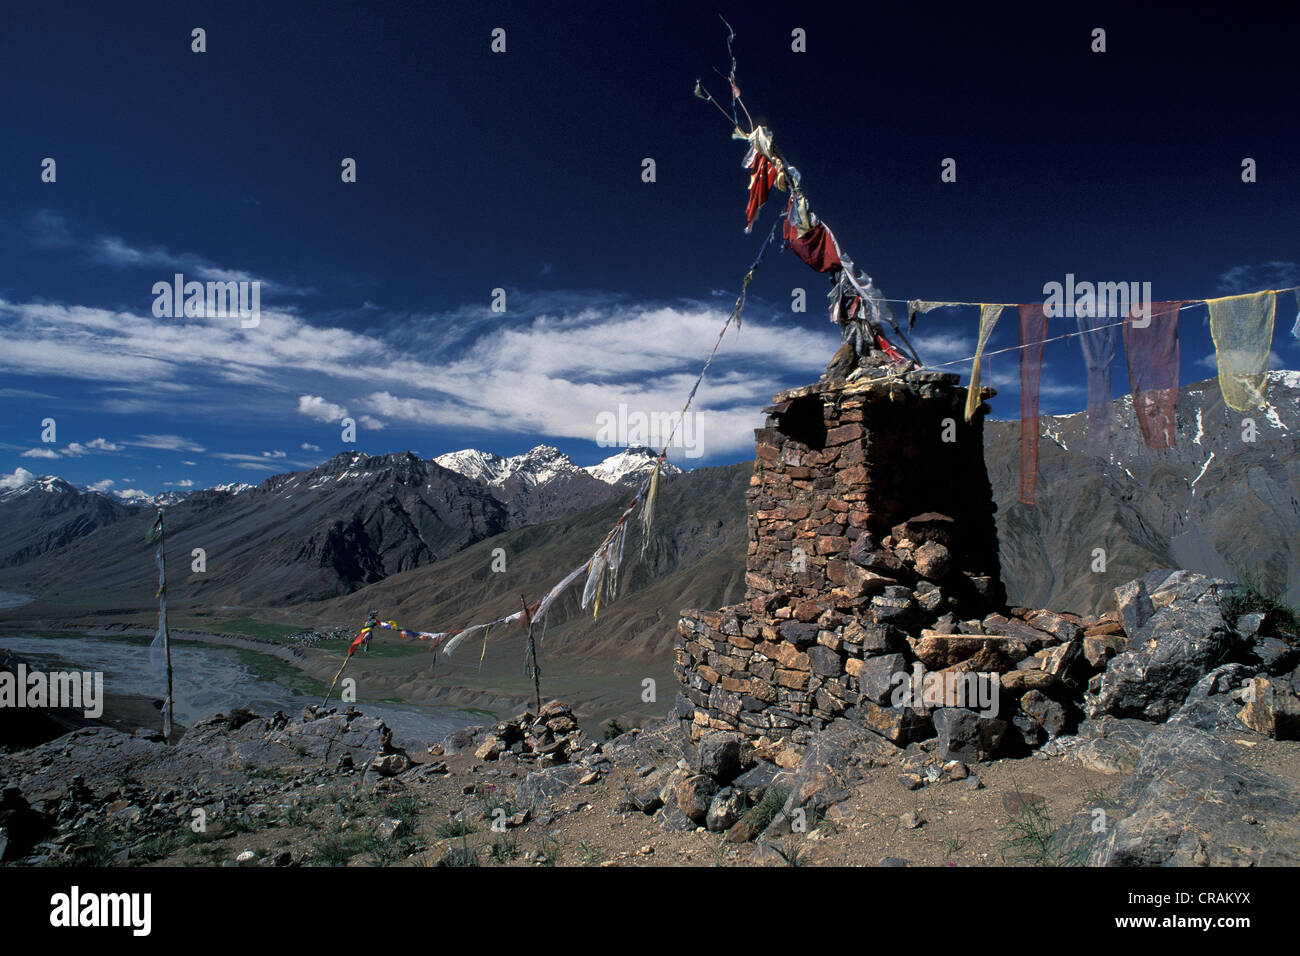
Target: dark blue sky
(522, 171)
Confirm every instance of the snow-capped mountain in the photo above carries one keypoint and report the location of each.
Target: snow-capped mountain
(629, 467)
(233, 487)
(538, 466)
(479, 465)
(541, 484)
(545, 463)
(41, 513)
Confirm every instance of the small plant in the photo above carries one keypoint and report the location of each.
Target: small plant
(614, 729)
(793, 854)
(338, 850)
(463, 856)
(454, 828)
(590, 854)
(766, 810)
(1254, 596)
(549, 848)
(1035, 840)
(405, 808)
(503, 850)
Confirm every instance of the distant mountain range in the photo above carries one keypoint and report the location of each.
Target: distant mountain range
(1215, 502)
(303, 536)
(415, 538)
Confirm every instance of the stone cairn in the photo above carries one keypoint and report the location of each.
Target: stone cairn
(872, 549)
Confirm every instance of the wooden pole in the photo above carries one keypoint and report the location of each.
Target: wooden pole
(167, 636)
(532, 652)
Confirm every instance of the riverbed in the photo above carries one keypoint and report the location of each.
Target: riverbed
(207, 681)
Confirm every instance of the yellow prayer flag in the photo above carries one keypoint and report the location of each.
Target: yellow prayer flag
(988, 318)
(1242, 328)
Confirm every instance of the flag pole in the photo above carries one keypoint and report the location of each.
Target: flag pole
(532, 653)
(164, 630)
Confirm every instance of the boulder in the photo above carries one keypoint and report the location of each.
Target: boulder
(1178, 645)
(932, 561)
(541, 788)
(726, 809)
(1272, 709)
(1134, 605)
(1045, 712)
(718, 755)
(877, 676)
(695, 795)
(1192, 801)
(967, 736)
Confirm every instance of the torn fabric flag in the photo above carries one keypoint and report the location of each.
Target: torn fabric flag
(762, 175)
(917, 307)
(988, 318)
(1151, 350)
(817, 248)
(1242, 329)
(1098, 337)
(1033, 334)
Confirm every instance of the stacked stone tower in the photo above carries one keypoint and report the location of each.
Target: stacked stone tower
(871, 521)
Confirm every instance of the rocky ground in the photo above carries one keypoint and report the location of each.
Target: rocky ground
(1183, 752)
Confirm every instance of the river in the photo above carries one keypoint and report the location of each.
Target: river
(207, 681)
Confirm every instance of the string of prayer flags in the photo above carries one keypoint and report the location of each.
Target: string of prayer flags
(1242, 329)
(1033, 334)
(988, 318)
(1097, 338)
(1151, 350)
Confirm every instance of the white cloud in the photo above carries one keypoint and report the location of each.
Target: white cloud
(315, 406)
(102, 486)
(308, 446)
(190, 463)
(1211, 361)
(77, 450)
(183, 483)
(370, 422)
(20, 477)
(544, 373)
(39, 453)
(165, 443)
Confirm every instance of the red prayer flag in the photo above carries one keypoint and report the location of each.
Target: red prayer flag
(1033, 333)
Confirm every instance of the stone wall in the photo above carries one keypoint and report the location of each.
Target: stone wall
(871, 527)
(838, 467)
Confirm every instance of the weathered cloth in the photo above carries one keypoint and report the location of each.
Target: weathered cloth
(762, 175)
(1151, 350)
(1242, 328)
(1033, 334)
(917, 307)
(1098, 339)
(988, 318)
